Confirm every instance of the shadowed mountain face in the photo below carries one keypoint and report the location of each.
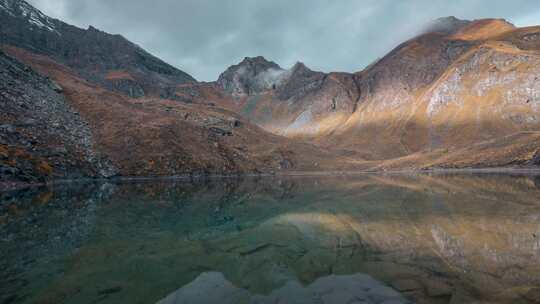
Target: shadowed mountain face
(286, 101)
(417, 238)
(251, 76)
(102, 58)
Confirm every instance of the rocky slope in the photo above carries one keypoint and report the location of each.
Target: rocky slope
(41, 135)
(99, 57)
(282, 101)
(430, 93)
(250, 77)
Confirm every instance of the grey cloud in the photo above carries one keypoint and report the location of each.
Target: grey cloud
(204, 37)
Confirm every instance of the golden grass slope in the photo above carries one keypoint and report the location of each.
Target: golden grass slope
(488, 93)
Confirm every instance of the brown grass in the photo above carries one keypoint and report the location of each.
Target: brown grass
(115, 75)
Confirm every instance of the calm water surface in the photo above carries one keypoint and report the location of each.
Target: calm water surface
(368, 239)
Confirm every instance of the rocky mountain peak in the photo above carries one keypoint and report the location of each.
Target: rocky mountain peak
(12, 5)
(21, 9)
(300, 81)
(101, 58)
(468, 29)
(93, 29)
(252, 75)
(259, 62)
(300, 68)
(483, 29)
(446, 25)
(253, 66)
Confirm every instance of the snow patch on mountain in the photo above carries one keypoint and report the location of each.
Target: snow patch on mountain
(4, 5)
(21, 9)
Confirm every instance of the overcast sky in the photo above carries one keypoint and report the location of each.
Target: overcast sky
(204, 37)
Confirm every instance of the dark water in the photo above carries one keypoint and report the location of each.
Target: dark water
(369, 239)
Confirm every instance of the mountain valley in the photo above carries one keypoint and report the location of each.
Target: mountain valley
(82, 103)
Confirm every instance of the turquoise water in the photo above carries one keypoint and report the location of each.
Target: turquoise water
(366, 239)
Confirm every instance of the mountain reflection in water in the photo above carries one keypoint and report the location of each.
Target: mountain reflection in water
(419, 238)
(212, 287)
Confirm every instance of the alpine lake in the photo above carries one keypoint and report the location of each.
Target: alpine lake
(367, 238)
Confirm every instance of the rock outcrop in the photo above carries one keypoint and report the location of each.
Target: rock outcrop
(285, 102)
(300, 83)
(251, 76)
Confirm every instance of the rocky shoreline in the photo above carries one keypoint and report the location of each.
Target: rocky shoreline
(511, 171)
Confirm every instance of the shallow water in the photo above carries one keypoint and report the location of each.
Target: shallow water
(368, 239)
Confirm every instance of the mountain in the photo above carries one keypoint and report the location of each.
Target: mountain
(162, 137)
(62, 118)
(441, 91)
(108, 60)
(251, 76)
(282, 101)
(445, 25)
(459, 83)
(84, 103)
